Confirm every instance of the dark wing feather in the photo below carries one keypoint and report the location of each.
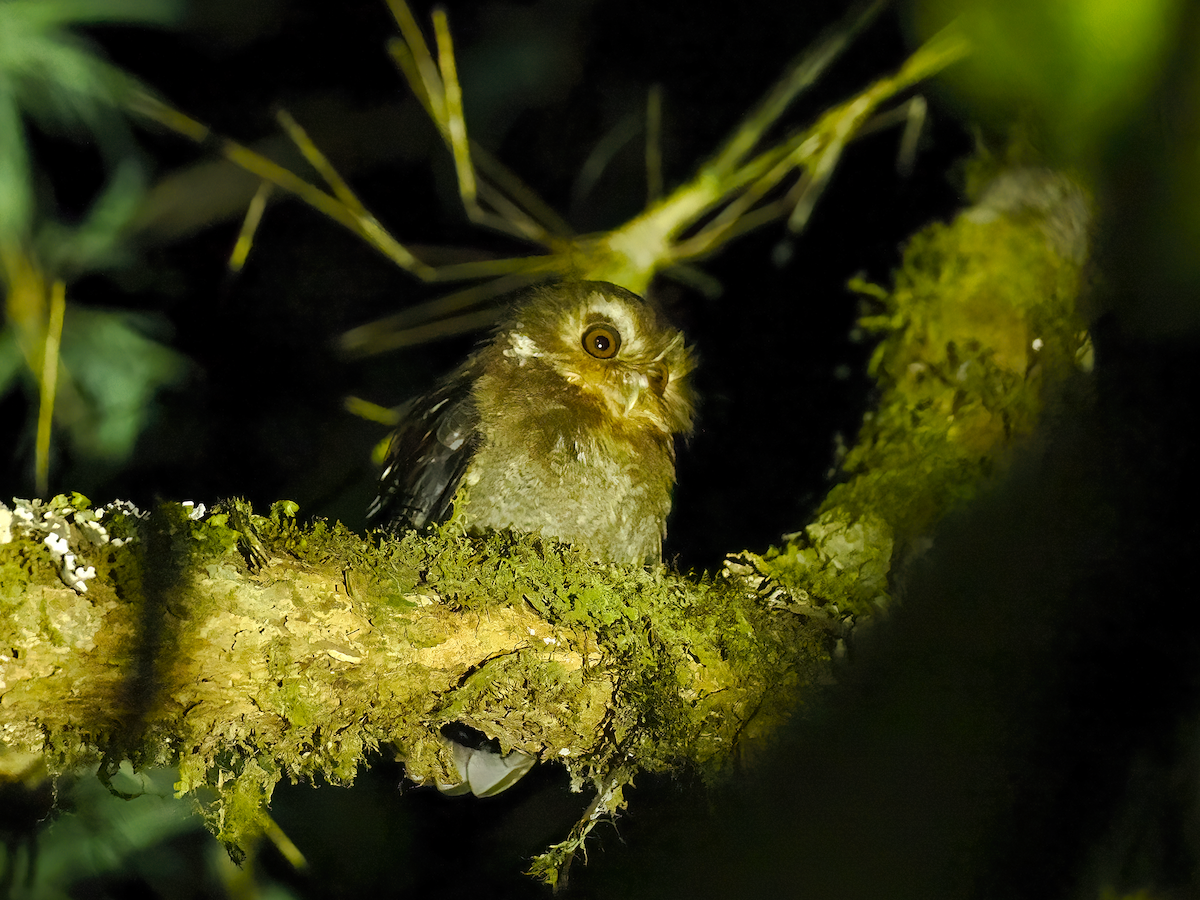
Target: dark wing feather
(435, 440)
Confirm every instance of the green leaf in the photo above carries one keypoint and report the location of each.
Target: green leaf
(16, 193)
(59, 81)
(53, 76)
(109, 834)
(1082, 65)
(115, 370)
(47, 14)
(97, 242)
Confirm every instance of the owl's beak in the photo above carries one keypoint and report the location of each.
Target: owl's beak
(635, 384)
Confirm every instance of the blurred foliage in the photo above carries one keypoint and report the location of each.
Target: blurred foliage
(1081, 66)
(115, 367)
(52, 78)
(109, 840)
(49, 74)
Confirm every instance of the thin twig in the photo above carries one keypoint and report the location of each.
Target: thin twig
(372, 412)
(440, 92)
(602, 155)
(546, 264)
(432, 319)
(455, 125)
(507, 180)
(426, 82)
(254, 214)
(318, 161)
(816, 150)
(403, 57)
(364, 225)
(49, 384)
(802, 72)
(371, 339)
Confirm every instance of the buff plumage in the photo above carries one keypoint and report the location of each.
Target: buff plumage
(562, 424)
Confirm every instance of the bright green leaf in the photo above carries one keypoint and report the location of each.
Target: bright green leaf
(115, 370)
(16, 196)
(1083, 66)
(51, 75)
(96, 243)
(47, 14)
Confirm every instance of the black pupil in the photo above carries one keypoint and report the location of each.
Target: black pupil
(601, 343)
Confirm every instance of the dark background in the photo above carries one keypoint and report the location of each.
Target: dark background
(1023, 726)
(261, 415)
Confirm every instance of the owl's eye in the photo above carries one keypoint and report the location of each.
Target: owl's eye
(602, 341)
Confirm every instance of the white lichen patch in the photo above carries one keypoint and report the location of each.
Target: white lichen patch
(124, 507)
(67, 533)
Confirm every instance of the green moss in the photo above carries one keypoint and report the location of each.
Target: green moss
(658, 630)
(241, 816)
(214, 538)
(982, 319)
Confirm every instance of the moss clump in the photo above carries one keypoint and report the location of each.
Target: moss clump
(982, 319)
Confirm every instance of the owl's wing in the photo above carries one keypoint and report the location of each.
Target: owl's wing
(435, 440)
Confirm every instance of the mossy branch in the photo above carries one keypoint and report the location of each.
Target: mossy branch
(245, 649)
(980, 331)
